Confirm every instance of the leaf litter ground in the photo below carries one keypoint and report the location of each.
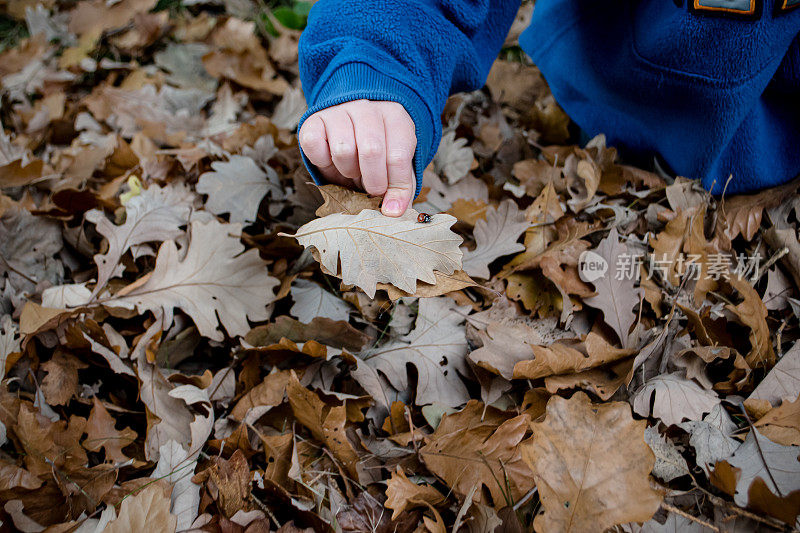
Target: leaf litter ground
(579, 344)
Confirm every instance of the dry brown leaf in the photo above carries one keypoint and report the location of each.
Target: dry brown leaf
(326, 423)
(782, 424)
(403, 494)
(154, 215)
(676, 399)
(752, 312)
(567, 357)
(101, 432)
(591, 466)
(437, 347)
(61, 382)
(478, 447)
(339, 199)
(616, 295)
(236, 187)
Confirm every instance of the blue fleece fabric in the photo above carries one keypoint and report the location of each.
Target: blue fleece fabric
(714, 97)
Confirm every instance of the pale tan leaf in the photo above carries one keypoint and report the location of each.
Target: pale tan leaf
(591, 466)
(215, 283)
(339, 199)
(236, 187)
(783, 381)
(453, 158)
(712, 438)
(616, 295)
(436, 347)
(373, 248)
(776, 465)
(669, 462)
(146, 511)
(495, 237)
(289, 110)
(676, 399)
(154, 215)
(312, 301)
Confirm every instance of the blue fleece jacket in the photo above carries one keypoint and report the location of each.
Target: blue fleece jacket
(713, 87)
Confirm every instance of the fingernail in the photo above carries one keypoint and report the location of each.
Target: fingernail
(392, 207)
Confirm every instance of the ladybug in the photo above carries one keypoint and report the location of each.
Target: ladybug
(423, 218)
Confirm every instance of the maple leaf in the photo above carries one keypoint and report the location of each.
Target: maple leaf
(616, 295)
(495, 237)
(437, 347)
(591, 466)
(215, 283)
(156, 214)
(372, 248)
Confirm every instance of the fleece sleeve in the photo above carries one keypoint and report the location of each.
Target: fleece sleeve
(413, 52)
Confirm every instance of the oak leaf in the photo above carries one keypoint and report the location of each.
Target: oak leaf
(437, 347)
(591, 466)
(676, 399)
(215, 283)
(146, 511)
(101, 432)
(236, 187)
(495, 237)
(453, 158)
(312, 301)
(616, 295)
(403, 494)
(480, 446)
(372, 248)
(777, 465)
(154, 215)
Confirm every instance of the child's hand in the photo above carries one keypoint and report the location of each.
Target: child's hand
(365, 144)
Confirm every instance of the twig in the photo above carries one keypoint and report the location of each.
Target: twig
(686, 515)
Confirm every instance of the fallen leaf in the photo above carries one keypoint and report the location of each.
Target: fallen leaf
(591, 466)
(495, 237)
(372, 248)
(782, 424)
(403, 494)
(454, 158)
(312, 301)
(712, 438)
(176, 467)
(776, 465)
(146, 511)
(227, 290)
(236, 187)
(437, 347)
(783, 381)
(468, 449)
(669, 462)
(616, 295)
(676, 399)
(101, 433)
(155, 215)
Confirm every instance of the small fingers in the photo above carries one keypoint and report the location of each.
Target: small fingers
(314, 143)
(342, 142)
(368, 122)
(401, 142)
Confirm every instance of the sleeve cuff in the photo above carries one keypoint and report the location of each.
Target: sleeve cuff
(356, 81)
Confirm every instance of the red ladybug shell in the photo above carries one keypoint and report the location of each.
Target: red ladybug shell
(423, 218)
